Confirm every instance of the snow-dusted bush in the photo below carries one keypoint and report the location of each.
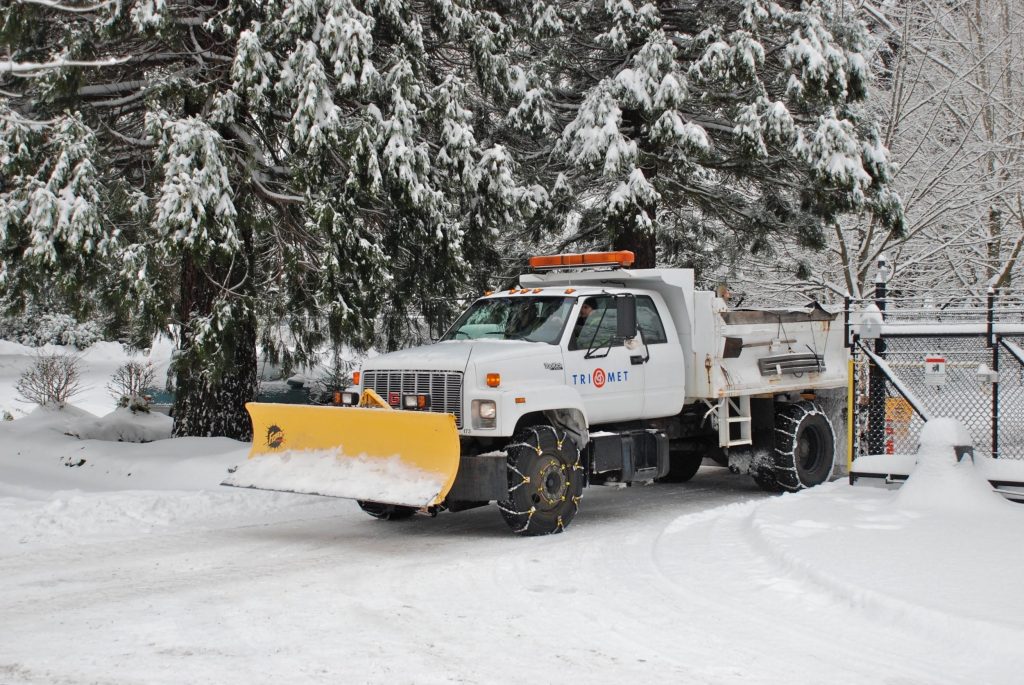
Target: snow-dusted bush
(128, 383)
(51, 380)
(35, 330)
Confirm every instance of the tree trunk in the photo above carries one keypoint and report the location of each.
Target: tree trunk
(629, 233)
(215, 380)
(641, 242)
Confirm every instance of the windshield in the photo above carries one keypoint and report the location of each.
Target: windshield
(535, 319)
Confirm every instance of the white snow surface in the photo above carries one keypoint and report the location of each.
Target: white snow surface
(126, 563)
(336, 474)
(940, 482)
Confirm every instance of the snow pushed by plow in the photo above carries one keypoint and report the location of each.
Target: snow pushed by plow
(333, 473)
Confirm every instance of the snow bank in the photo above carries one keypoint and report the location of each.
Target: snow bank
(40, 454)
(939, 481)
(57, 489)
(124, 425)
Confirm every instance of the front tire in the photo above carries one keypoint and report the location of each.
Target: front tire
(545, 481)
(804, 453)
(386, 512)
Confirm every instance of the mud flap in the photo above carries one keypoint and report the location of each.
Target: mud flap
(374, 454)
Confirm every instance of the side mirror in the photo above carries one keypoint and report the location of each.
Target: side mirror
(625, 324)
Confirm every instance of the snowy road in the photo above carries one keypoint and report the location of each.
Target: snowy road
(631, 593)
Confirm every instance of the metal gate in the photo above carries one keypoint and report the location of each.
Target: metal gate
(961, 358)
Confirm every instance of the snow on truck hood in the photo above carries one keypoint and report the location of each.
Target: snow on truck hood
(455, 355)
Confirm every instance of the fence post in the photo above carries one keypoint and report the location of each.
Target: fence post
(993, 342)
(847, 303)
(876, 381)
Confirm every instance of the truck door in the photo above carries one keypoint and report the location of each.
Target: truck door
(664, 392)
(608, 375)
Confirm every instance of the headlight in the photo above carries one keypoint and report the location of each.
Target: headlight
(485, 414)
(416, 401)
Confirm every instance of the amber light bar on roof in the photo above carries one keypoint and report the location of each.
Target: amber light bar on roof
(619, 258)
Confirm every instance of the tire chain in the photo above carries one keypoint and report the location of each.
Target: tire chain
(577, 466)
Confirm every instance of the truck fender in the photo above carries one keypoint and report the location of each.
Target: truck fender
(561, 406)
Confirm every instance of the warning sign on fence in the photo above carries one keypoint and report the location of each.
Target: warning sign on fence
(898, 412)
(935, 370)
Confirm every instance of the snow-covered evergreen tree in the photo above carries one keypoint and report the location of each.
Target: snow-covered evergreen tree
(708, 129)
(950, 101)
(225, 166)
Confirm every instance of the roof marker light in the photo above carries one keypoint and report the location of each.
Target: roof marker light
(618, 258)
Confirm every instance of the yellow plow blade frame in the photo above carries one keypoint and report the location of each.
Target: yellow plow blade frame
(359, 449)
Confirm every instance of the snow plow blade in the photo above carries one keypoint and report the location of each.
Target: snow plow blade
(377, 454)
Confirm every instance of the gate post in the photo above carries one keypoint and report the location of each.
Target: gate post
(876, 381)
(993, 341)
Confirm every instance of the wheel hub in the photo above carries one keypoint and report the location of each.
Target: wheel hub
(807, 450)
(553, 485)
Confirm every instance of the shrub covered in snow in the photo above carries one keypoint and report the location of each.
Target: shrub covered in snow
(129, 382)
(35, 330)
(51, 381)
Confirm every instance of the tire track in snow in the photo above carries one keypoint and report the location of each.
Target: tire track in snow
(947, 629)
(769, 599)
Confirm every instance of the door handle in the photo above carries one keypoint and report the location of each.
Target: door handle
(636, 359)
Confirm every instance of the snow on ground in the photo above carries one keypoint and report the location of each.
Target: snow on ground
(98, 363)
(127, 563)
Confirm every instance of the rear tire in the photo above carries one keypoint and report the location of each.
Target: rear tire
(682, 466)
(386, 512)
(545, 481)
(804, 453)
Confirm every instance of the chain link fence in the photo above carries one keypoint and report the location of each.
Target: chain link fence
(954, 361)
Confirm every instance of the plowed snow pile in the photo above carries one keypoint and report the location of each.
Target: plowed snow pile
(335, 474)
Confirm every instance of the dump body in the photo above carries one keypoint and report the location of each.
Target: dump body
(758, 351)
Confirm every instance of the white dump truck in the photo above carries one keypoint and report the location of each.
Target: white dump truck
(585, 373)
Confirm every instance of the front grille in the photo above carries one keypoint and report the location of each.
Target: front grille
(444, 387)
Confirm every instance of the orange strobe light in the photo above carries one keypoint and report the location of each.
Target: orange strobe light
(619, 258)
